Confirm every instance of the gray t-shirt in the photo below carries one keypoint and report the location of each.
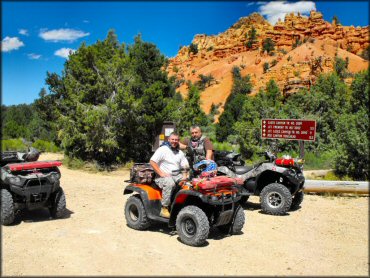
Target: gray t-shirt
(169, 160)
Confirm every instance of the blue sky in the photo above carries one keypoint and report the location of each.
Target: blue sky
(37, 36)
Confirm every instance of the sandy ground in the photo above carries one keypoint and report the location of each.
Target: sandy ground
(326, 236)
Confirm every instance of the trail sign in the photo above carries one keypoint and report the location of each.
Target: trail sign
(165, 132)
(288, 129)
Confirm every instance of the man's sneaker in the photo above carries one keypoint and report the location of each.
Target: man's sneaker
(164, 212)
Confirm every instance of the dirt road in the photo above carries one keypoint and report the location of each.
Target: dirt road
(327, 236)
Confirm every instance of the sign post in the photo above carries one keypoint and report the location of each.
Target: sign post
(167, 129)
(289, 129)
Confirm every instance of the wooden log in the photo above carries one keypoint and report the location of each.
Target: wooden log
(320, 186)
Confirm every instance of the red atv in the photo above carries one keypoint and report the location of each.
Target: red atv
(29, 184)
(195, 206)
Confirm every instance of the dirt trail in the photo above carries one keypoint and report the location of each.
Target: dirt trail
(327, 236)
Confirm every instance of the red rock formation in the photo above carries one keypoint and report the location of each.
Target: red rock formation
(316, 38)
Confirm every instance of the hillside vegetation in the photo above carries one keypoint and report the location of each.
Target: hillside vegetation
(112, 99)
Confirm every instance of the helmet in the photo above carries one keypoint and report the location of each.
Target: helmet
(207, 168)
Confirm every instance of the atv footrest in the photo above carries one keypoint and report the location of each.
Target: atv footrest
(225, 217)
(158, 218)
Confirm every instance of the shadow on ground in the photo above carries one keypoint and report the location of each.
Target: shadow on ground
(214, 233)
(37, 215)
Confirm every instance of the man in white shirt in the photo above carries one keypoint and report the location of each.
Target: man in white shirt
(167, 159)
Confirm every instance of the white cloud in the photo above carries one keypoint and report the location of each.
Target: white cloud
(278, 9)
(62, 35)
(64, 52)
(34, 56)
(86, 21)
(251, 3)
(23, 32)
(8, 44)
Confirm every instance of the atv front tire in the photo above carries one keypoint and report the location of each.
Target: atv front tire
(297, 200)
(276, 199)
(192, 226)
(7, 207)
(58, 206)
(237, 226)
(135, 214)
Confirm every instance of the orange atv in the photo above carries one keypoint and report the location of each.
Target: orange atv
(195, 206)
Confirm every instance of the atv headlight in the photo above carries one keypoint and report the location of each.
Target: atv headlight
(15, 180)
(4, 174)
(54, 177)
(214, 198)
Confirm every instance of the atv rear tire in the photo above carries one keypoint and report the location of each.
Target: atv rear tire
(275, 199)
(7, 207)
(236, 227)
(58, 206)
(297, 200)
(192, 226)
(135, 214)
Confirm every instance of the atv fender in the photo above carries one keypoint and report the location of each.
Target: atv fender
(150, 197)
(265, 178)
(271, 176)
(181, 198)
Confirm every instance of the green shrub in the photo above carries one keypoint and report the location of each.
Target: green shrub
(73, 163)
(365, 53)
(13, 145)
(128, 165)
(296, 43)
(224, 146)
(251, 37)
(331, 176)
(193, 48)
(317, 162)
(45, 146)
(283, 51)
(268, 45)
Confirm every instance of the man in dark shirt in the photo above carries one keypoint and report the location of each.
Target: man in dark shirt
(198, 146)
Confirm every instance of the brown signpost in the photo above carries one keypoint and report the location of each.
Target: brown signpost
(166, 130)
(288, 129)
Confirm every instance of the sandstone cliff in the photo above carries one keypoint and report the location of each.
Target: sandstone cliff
(304, 48)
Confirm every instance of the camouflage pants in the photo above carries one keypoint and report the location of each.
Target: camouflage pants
(167, 184)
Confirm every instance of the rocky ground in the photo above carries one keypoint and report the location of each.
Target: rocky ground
(326, 236)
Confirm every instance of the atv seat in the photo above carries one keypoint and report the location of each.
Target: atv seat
(239, 170)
